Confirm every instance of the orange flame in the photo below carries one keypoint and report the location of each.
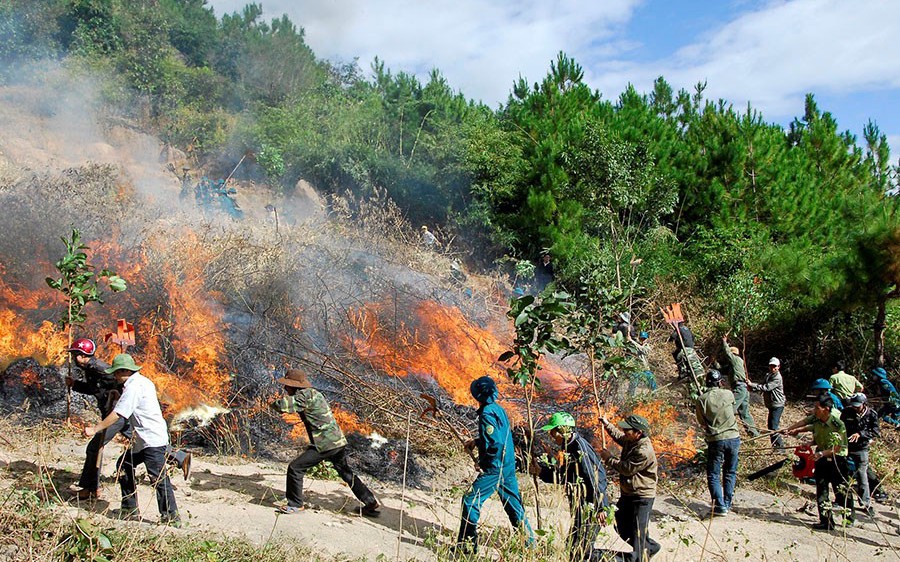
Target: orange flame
(668, 437)
(181, 345)
(439, 342)
(347, 421)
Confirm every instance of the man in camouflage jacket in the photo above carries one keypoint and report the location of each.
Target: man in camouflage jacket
(327, 442)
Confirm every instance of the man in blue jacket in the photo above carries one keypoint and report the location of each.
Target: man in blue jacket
(497, 463)
(890, 411)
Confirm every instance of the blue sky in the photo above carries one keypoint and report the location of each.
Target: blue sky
(768, 53)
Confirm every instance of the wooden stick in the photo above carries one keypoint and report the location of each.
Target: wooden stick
(765, 434)
(403, 489)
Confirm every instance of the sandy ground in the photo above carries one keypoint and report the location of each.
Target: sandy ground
(235, 497)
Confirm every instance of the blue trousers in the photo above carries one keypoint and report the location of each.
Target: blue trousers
(507, 487)
(722, 457)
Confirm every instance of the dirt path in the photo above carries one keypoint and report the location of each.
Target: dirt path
(228, 496)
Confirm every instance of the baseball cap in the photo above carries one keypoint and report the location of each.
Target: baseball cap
(559, 419)
(775, 361)
(635, 422)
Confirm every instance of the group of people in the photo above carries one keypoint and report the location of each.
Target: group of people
(579, 469)
(129, 406)
(842, 424)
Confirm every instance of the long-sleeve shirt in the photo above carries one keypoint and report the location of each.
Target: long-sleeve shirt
(715, 412)
(738, 371)
(772, 389)
(496, 451)
(323, 430)
(829, 433)
(844, 385)
(582, 473)
(100, 385)
(636, 465)
(687, 337)
(867, 425)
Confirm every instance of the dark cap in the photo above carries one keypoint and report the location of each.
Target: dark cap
(295, 378)
(857, 400)
(635, 422)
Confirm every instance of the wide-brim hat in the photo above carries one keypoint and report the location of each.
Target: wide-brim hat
(295, 378)
(122, 361)
(636, 422)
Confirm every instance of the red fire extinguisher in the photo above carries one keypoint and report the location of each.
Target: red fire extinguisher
(804, 465)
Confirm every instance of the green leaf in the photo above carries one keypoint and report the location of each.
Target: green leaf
(104, 541)
(521, 318)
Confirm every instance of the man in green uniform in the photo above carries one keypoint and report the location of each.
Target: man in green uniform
(739, 386)
(844, 385)
(830, 437)
(326, 443)
(715, 412)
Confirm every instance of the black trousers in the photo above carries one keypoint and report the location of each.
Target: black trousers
(154, 459)
(633, 524)
(310, 458)
(834, 473)
(90, 472)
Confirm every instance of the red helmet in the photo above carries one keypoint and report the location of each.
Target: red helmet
(83, 345)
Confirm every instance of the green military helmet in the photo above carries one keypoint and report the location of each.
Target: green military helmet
(559, 419)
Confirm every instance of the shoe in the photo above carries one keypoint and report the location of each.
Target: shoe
(716, 513)
(869, 510)
(290, 509)
(371, 509)
(85, 494)
(186, 466)
(125, 514)
(823, 526)
(170, 520)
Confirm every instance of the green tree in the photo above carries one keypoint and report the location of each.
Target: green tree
(80, 287)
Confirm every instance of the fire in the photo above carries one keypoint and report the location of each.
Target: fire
(665, 431)
(179, 324)
(347, 421)
(439, 342)
(46, 343)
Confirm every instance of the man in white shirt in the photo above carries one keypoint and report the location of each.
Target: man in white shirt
(140, 406)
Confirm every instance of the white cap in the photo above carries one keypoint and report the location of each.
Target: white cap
(775, 361)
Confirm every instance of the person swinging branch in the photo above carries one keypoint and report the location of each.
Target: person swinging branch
(326, 443)
(584, 478)
(140, 406)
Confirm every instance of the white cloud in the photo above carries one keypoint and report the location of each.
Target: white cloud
(770, 53)
(774, 55)
(480, 47)
(894, 143)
